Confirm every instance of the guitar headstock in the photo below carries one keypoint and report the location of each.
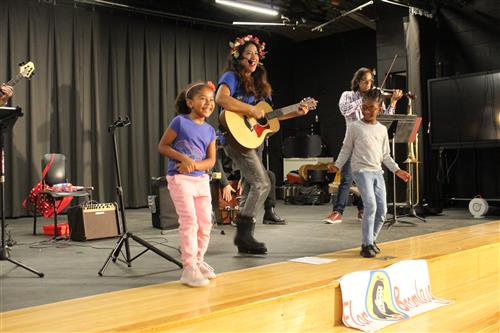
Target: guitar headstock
(27, 69)
(310, 102)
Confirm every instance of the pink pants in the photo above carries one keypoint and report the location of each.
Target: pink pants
(193, 204)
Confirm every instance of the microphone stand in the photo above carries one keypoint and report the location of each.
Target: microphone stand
(124, 238)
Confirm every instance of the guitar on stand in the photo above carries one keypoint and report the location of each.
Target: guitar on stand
(249, 132)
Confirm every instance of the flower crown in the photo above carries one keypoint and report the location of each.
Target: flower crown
(242, 40)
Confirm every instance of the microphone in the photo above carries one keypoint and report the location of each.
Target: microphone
(126, 122)
(119, 123)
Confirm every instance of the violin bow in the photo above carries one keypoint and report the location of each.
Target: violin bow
(388, 71)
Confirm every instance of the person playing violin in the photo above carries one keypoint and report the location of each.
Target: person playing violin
(350, 107)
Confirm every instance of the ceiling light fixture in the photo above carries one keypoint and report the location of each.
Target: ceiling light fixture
(245, 6)
(285, 22)
(261, 23)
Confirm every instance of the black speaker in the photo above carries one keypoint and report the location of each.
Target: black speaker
(160, 203)
(93, 221)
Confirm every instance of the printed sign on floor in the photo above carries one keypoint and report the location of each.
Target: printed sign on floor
(375, 299)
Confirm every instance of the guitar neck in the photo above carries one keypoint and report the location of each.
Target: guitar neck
(14, 80)
(282, 111)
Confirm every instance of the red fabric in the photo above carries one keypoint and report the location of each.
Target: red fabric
(294, 178)
(44, 203)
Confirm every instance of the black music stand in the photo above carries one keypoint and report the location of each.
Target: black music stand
(399, 128)
(127, 234)
(8, 117)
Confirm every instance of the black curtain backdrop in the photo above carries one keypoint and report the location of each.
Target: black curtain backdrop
(93, 65)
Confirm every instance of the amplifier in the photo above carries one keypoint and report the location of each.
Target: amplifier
(160, 203)
(93, 221)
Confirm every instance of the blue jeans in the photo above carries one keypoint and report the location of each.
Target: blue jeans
(344, 189)
(372, 187)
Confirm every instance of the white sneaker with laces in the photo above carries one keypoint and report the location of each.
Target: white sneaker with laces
(206, 270)
(192, 276)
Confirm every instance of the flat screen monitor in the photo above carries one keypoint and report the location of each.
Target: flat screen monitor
(464, 111)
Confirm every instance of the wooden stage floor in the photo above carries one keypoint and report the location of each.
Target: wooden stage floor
(288, 296)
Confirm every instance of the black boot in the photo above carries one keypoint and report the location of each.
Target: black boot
(244, 237)
(270, 217)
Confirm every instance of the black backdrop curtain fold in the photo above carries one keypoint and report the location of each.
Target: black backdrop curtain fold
(92, 66)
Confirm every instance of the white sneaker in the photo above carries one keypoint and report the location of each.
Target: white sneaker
(192, 276)
(206, 270)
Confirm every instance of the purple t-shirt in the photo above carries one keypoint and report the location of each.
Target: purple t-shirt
(192, 140)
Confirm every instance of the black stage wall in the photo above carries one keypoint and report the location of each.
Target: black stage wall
(467, 41)
(321, 68)
(96, 64)
(459, 39)
(91, 67)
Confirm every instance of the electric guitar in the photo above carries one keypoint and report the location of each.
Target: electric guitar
(26, 70)
(249, 132)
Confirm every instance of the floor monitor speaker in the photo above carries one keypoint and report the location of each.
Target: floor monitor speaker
(93, 221)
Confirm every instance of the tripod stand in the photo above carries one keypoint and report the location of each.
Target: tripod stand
(8, 117)
(124, 238)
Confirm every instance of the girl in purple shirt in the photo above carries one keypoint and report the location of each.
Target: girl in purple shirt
(189, 144)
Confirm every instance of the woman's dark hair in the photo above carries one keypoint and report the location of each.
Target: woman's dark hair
(188, 93)
(255, 84)
(358, 76)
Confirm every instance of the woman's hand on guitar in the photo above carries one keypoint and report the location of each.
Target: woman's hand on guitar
(306, 105)
(7, 92)
(256, 113)
(303, 110)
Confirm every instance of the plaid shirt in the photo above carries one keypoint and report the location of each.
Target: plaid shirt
(350, 107)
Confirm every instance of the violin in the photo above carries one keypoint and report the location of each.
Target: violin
(387, 93)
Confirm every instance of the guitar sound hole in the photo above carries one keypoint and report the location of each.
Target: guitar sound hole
(262, 121)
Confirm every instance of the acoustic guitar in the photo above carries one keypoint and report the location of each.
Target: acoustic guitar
(26, 70)
(249, 132)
